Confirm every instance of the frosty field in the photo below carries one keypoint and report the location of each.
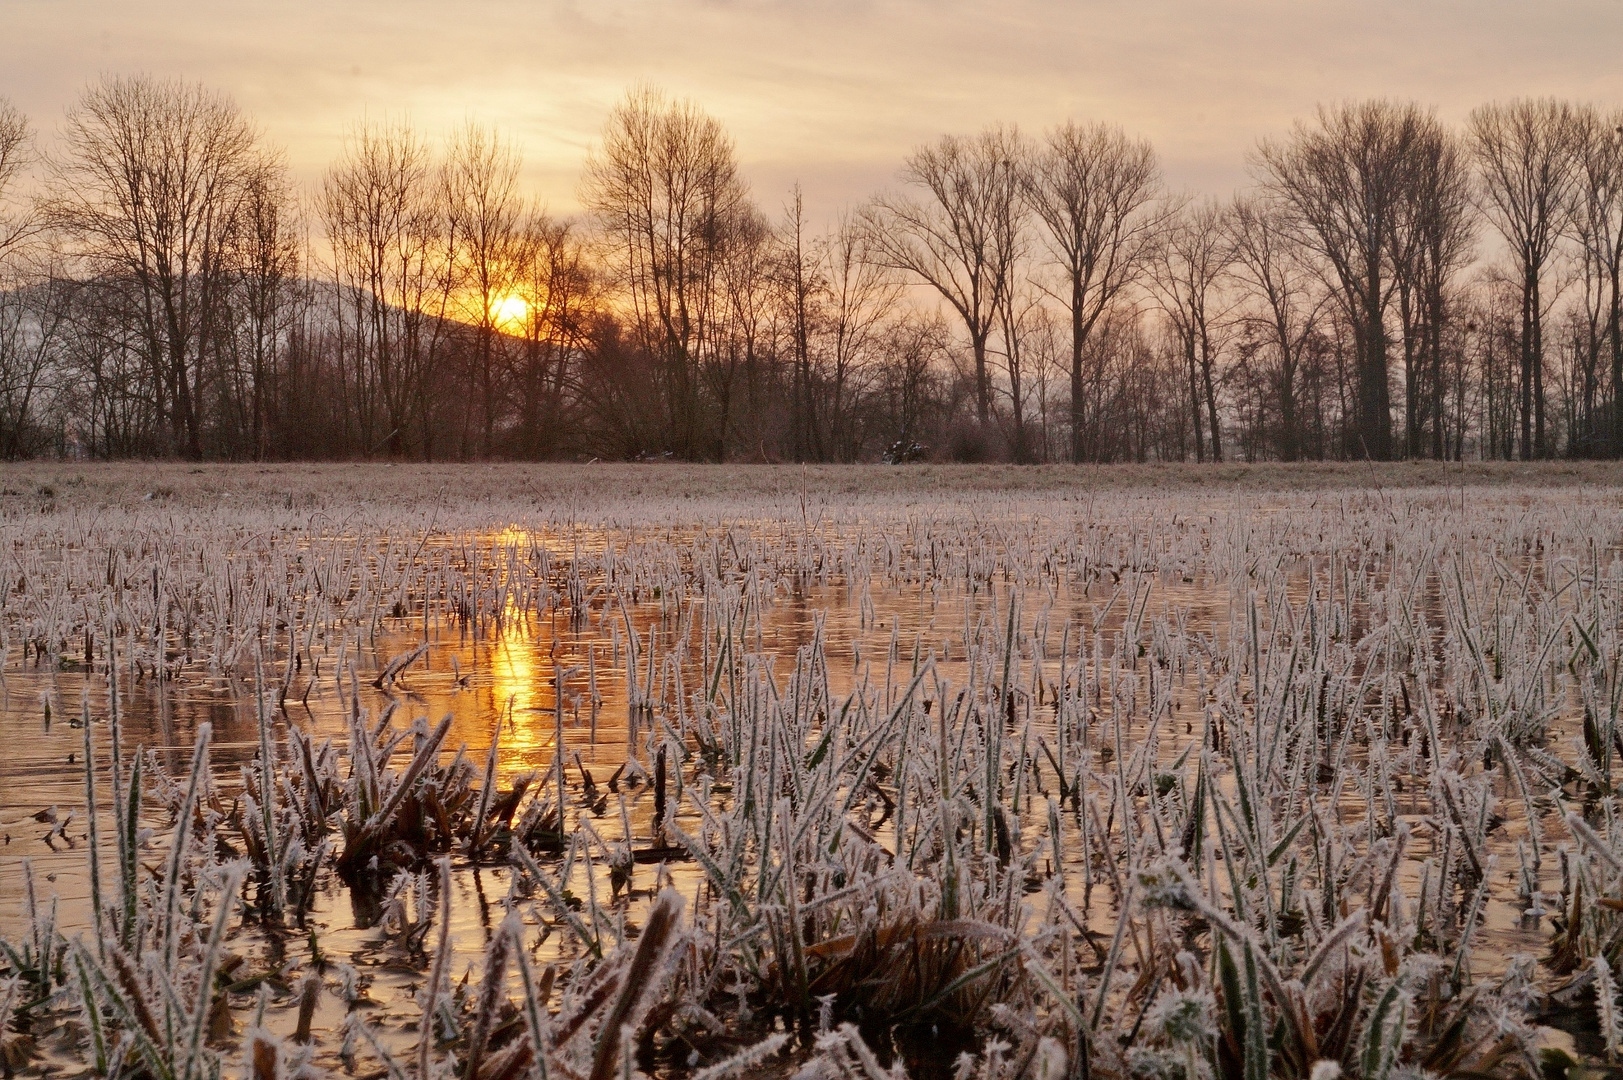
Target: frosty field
(604, 771)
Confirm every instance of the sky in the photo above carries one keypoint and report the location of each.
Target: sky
(830, 94)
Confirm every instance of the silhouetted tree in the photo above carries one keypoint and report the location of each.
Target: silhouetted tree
(664, 186)
(559, 285)
(147, 189)
(859, 302)
(1526, 151)
(955, 236)
(1598, 225)
(17, 222)
(1283, 305)
(393, 267)
(486, 217)
(1191, 262)
(1433, 244)
(1094, 190)
(1345, 180)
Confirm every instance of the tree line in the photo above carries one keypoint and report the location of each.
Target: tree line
(1388, 286)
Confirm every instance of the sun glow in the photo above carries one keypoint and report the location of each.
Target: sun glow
(509, 311)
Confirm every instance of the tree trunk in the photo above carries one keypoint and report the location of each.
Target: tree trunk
(1614, 324)
(1527, 364)
(1194, 397)
(1374, 397)
(1288, 448)
(1537, 354)
(1211, 398)
(1077, 411)
(983, 381)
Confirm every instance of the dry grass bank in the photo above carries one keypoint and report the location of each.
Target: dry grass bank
(125, 483)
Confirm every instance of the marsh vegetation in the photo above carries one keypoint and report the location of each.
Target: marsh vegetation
(312, 776)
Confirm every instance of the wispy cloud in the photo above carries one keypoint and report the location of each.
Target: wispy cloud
(832, 93)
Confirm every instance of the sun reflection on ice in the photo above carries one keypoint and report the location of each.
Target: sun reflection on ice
(523, 698)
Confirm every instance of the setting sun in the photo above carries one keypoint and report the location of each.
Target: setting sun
(510, 310)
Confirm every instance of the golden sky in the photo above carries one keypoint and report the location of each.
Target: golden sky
(833, 93)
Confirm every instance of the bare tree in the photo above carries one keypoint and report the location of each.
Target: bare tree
(802, 283)
(1284, 305)
(1525, 150)
(267, 254)
(480, 178)
(1432, 243)
(33, 305)
(393, 270)
(1598, 224)
(16, 145)
(1020, 318)
(148, 186)
(36, 306)
(907, 391)
(560, 290)
(1015, 317)
(1095, 191)
(859, 301)
(1045, 345)
(956, 238)
(1493, 342)
(739, 337)
(1188, 271)
(662, 186)
(1345, 181)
